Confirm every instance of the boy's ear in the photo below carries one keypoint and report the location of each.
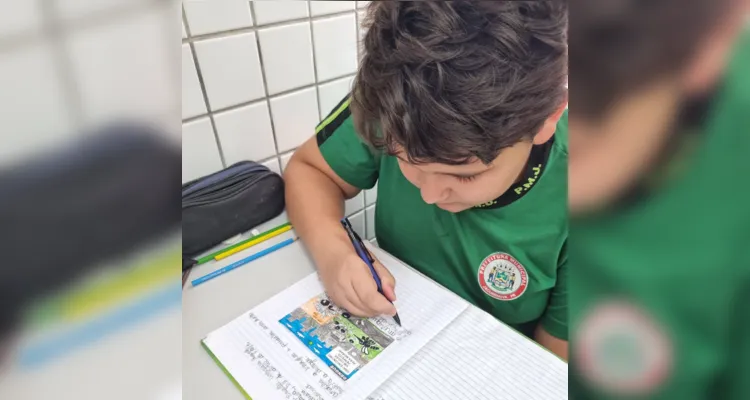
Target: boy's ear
(550, 125)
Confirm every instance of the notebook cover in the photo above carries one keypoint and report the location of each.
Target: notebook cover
(231, 378)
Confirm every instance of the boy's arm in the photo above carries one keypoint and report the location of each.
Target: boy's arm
(315, 197)
(553, 344)
(328, 168)
(552, 332)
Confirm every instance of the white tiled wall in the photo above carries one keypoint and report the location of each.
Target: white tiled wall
(67, 66)
(103, 69)
(257, 78)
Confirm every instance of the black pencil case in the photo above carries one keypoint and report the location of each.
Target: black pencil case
(226, 203)
(75, 209)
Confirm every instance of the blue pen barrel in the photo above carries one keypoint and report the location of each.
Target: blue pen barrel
(361, 251)
(374, 273)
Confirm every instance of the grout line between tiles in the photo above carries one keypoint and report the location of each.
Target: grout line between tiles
(13, 41)
(203, 90)
(260, 100)
(364, 217)
(221, 110)
(252, 13)
(100, 18)
(54, 31)
(315, 60)
(267, 159)
(256, 27)
(267, 98)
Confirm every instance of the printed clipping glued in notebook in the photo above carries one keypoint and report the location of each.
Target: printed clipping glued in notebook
(299, 345)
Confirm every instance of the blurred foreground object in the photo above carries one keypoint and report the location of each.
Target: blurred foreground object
(91, 252)
(660, 200)
(62, 213)
(89, 211)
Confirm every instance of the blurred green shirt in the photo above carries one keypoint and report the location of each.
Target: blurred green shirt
(660, 287)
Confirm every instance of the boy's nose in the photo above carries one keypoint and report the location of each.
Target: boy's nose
(432, 193)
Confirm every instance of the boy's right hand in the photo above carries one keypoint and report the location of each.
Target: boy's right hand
(350, 285)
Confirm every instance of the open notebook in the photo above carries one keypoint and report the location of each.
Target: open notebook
(298, 345)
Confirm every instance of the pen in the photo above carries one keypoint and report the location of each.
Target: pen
(365, 255)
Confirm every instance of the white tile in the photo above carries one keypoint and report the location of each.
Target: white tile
(335, 46)
(294, 118)
(362, 4)
(374, 242)
(111, 85)
(19, 17)
(330, 7)
(34, 113)
(371, 195)
(192, 95)
(285, 159)
(370, 218)
(273, 165)
(231, 70)
(287, 57)
(355, 204)
(209, 16)
(245, 133)
(358, 223)
(330, 94)
(75, 9)
(200, 155)
(267, 12)
(174, 54)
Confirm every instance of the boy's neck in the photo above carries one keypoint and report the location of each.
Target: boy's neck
(608, 156)
(536, 162)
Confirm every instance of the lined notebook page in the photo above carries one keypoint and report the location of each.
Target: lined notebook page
(478, 358)
(270, 362)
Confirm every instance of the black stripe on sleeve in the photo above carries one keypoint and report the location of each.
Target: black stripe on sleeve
(328, 129)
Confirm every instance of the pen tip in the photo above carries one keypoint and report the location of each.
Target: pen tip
(397, 319)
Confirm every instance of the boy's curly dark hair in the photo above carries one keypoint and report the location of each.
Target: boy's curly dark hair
(449, 81)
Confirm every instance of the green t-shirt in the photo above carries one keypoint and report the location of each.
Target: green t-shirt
(660, 286)
(506, 257)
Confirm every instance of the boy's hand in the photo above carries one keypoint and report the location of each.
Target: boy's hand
(351, 286)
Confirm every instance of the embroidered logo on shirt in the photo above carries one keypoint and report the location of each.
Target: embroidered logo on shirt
(502, 277)
(622, 350)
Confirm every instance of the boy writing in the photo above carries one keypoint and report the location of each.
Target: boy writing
(457, 112)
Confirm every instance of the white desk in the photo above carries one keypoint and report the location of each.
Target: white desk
(214, 303)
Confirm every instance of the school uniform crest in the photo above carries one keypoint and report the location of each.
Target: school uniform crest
(502, 277)
(622, 350)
